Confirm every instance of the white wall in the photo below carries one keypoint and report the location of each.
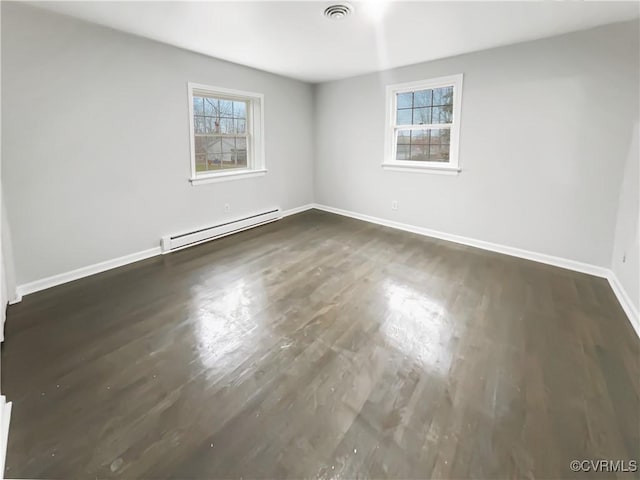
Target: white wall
(625, 261)
(95, 157)
(544, 138)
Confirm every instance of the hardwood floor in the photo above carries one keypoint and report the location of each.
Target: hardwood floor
(321, 346)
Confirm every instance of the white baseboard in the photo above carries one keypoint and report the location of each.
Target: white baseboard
(5, 417)
(619, 291)
(16, 299)
(625, 301)
(78, 273)
(82, 272)
(301, 209)
(472, 242)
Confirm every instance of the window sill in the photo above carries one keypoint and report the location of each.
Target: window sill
(438, 170)
(227, 176)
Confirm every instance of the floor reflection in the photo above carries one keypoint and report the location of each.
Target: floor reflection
(223, 323)
(418, 326)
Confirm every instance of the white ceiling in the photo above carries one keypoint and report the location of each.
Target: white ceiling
(296, 40)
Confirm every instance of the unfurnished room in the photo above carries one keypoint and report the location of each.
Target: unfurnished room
(334, 240)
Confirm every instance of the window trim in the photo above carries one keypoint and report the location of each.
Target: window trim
(451, 167)
(256, 165)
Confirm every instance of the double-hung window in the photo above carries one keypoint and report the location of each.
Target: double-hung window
(423, 125)
(226, 128)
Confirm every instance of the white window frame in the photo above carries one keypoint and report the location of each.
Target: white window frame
(452, 167)
(256, 165)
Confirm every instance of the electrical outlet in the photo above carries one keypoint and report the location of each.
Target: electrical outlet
(227, 207)
(394, 204)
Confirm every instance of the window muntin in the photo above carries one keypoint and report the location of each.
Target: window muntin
(226, 128)
(423, 123)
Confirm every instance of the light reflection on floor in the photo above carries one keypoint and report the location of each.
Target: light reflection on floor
(223, 322)
(417, 325)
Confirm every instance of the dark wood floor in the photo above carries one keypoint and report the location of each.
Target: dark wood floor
(321, 346)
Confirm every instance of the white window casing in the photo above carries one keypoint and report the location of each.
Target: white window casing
(253, 134)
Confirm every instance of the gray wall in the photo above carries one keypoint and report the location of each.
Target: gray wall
(625, 261)
(7, 274)
(544, 138)
(95, 157)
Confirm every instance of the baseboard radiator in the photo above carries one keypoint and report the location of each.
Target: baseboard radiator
(201, 235)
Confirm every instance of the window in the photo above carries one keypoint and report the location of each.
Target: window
(226, 128)
(423, 125)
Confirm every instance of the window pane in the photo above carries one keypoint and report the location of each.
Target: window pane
(241, 151)
(420, 153)
(226, 108)
(404, 117)
(198, 106)
(228, 161)
(405, 100)
(402, 152)
(439, 153)
(443, 96)
(440, 136)
(228, 145)
(404, 137)
(201, 162)
(419, 137)
(240, 109)
(209, 125)
(210, 106)
(200, 146)
(213, 149)
(199, 124)
(227, 126)
(205, 153)
(241, 126)
(442, 114)
(422, 98)
(421, 116)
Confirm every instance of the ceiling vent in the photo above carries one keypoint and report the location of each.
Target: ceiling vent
(336, 12)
